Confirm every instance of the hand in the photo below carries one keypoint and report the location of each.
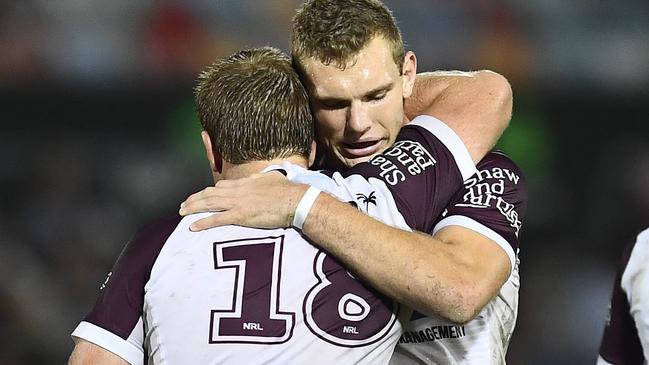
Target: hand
(265, 200)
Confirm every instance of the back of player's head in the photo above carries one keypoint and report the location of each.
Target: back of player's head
(254, 107)
(334, 31)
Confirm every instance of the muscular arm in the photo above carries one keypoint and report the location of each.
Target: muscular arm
(88, 353)
(476, 105)
(453, 274)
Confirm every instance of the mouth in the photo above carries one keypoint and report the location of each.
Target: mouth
(361, 148)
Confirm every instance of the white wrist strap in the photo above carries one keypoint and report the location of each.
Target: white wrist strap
(304, 206)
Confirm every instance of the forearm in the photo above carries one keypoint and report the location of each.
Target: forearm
(413, 268)
(476, 105)
(453, 274)
(88, 353)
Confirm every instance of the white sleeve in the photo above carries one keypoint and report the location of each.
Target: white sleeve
(635, 283)
(131, 349)
(470, 223)
(601, 361)
(451, 140)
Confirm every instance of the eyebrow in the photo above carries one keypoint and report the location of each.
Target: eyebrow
(376, 90)
(380, 89)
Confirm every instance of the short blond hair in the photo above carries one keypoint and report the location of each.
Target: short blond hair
(254, 107)
(334, 31)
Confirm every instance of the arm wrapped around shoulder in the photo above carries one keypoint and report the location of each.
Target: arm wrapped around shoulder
(476, 105)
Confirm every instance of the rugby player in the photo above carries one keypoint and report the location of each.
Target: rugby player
(626, 335)
(350, 55)
(241, 295)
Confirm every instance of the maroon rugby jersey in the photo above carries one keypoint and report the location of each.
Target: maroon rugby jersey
(493, 203)
(239, 295)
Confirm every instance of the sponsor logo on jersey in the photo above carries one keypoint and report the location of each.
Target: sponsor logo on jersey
(404, 158)
(484, 194)
(367, 200)
(433, 333)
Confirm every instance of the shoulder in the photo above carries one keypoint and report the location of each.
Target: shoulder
(498, 159)
(439, 137)
(119, 307)
(501, 166)
(504, 176)
(636, 253)
(620, 342)
(148, 241)
(643, 239)
(634, 261)
(156, 231)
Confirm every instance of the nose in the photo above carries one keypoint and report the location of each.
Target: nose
(358, 119)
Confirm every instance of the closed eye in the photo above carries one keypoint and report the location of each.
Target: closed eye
(376, 97)
(333, 103)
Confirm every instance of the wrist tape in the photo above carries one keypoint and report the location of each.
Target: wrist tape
(304, 206)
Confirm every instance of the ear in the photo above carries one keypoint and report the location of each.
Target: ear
(409, 73)
(312, 155)
(216, 163)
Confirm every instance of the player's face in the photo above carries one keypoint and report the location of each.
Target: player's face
(359, 110)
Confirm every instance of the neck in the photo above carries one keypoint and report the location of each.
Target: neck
(238, 171)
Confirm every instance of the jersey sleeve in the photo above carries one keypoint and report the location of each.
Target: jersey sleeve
(621, 343)
(421, 171)
(115, 322)
(493, 202)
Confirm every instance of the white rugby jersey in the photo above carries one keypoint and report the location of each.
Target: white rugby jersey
(626, 336)
(493, 203)
(238, 295)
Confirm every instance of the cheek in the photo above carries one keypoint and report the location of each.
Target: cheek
(391, 114)
(329, 123)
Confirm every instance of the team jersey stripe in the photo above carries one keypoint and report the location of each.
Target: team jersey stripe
(466, 222)
(601, 361)
(451, 140)
(106, 339)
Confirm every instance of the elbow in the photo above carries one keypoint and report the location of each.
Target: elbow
(464, 307)
(463, 314)
(500, 92)
(457, 307)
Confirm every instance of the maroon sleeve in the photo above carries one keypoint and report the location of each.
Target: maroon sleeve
(496, 197)
(121, 297)
(620, 343)
(420, 172)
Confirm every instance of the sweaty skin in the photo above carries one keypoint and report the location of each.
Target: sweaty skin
(468, 268)
(359, 110)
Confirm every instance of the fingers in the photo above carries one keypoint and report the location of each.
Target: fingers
(211, 199)
(200, 195)
(225, 194)
(214, 220)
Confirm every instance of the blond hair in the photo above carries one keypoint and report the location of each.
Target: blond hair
(334, 31)
(254, 107)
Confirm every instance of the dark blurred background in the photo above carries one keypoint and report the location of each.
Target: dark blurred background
(99, 136)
